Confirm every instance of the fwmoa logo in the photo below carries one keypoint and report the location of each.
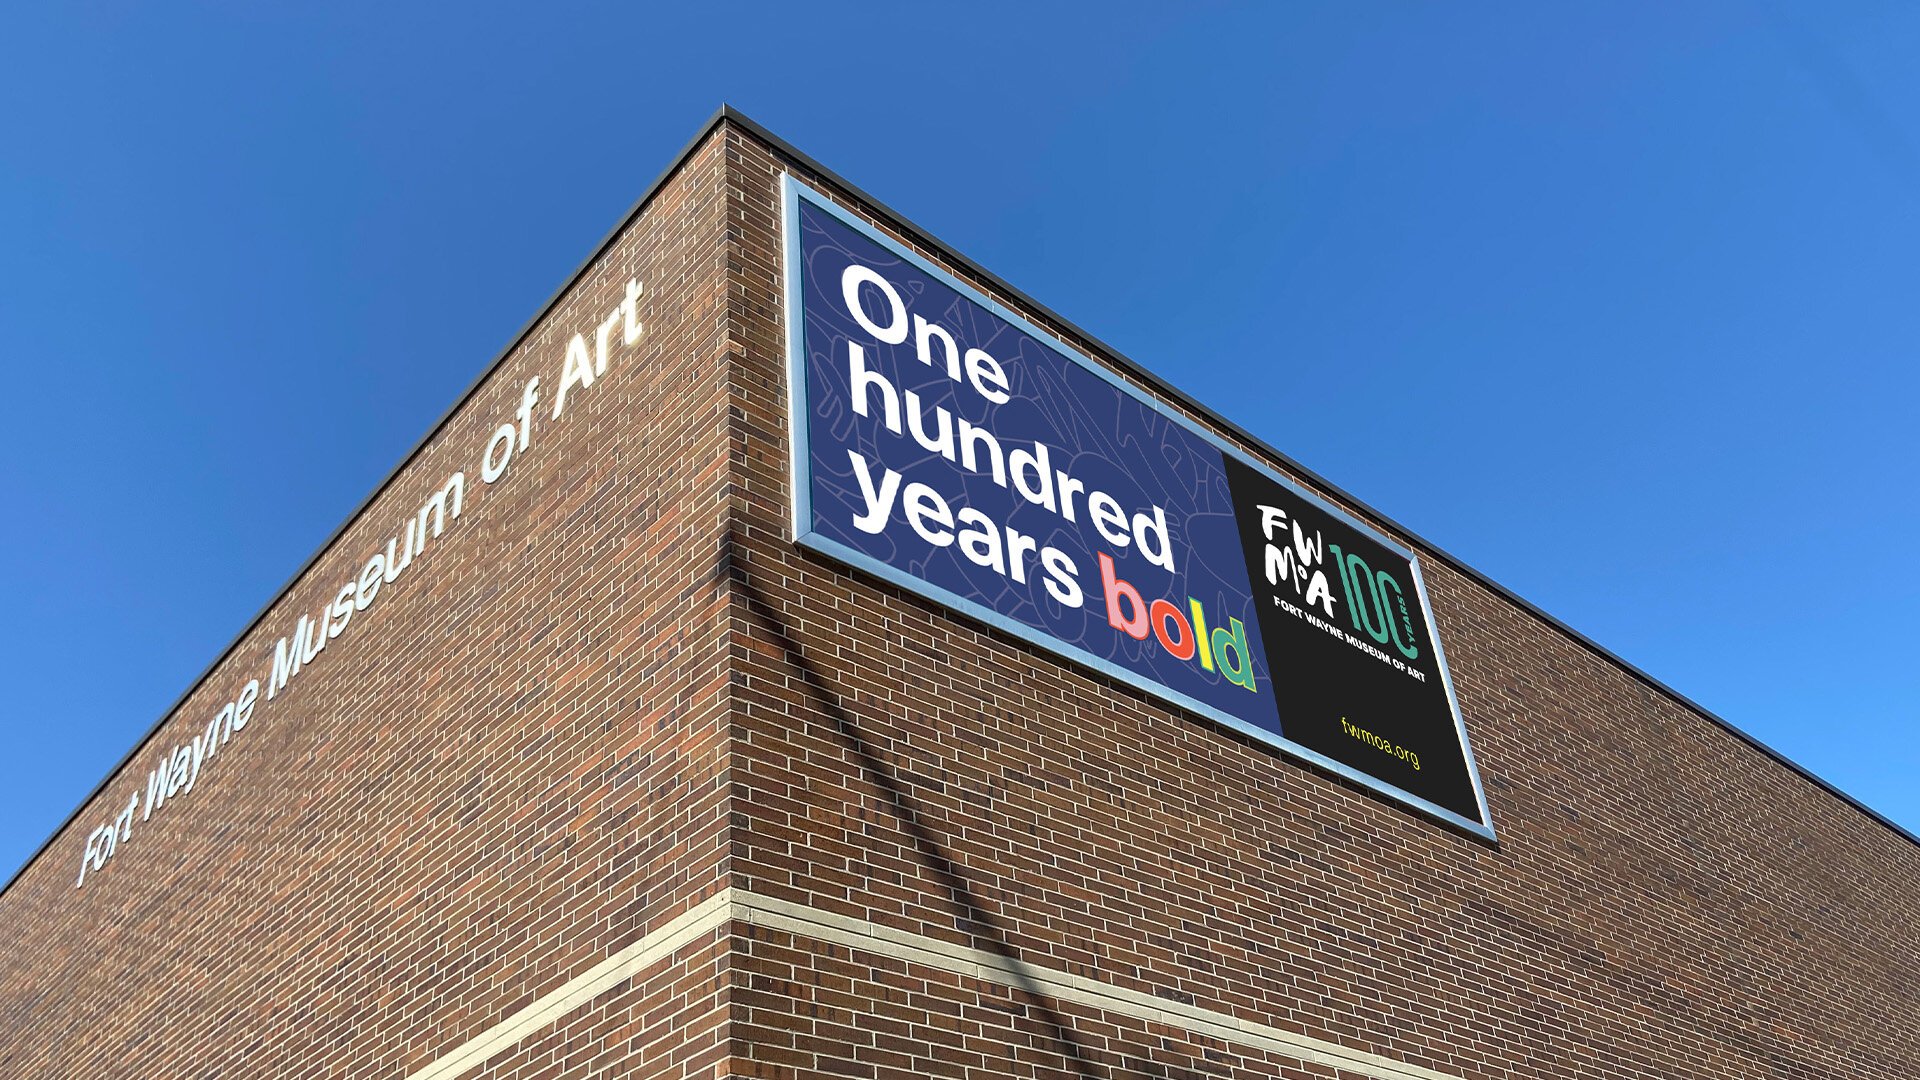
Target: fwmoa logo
(1376, 602)
(1297, 563)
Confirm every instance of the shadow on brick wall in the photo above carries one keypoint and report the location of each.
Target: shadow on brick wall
(969, 915)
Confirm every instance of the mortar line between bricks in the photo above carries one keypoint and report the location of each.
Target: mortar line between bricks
(736, 905)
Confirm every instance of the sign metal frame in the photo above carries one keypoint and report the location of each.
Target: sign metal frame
(800, 478)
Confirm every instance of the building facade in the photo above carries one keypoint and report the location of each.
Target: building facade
(572, 755)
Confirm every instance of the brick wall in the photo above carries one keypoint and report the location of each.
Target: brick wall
(618, 782)
(504, 769)
(1665, 899)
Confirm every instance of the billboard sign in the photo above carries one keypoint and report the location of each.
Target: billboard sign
(945, 444)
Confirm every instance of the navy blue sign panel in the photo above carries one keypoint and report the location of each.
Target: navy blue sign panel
(947, 445)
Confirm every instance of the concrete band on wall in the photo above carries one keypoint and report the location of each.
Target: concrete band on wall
(731, 906)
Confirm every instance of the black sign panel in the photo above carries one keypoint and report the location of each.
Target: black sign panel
(1353, 659)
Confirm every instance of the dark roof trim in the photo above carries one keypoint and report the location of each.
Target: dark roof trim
(640, 204)
(728, 114)
(1174, 393)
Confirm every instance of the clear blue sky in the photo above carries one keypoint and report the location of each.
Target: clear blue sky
(1626, 292)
